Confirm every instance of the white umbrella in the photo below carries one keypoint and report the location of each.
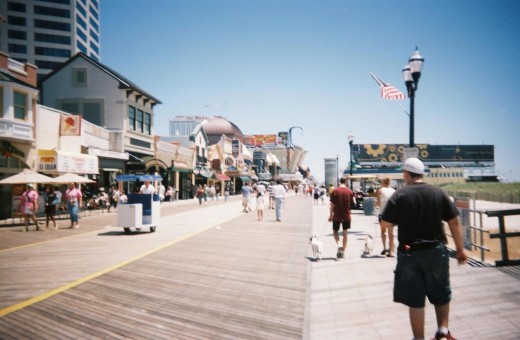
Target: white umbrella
(27, 176)
(71, 178)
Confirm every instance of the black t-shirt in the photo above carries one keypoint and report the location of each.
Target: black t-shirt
(419, 209)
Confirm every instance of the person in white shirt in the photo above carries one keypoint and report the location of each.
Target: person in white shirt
(147, 188)
(383, 195)
(279, 196)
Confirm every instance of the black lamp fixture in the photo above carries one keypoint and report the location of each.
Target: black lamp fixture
(350, 143)
(411, 75)
(337, 169)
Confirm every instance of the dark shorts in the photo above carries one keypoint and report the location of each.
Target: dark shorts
(50, 209)
(336, 224)
(422, 273)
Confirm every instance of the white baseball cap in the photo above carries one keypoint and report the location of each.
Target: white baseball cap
(30, 185)
(413, 165)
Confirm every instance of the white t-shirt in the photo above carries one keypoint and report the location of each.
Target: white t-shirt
(261, 189)
(147, 189)
(386, 193)
(279, 191)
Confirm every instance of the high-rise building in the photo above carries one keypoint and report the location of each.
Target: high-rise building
(46, 33)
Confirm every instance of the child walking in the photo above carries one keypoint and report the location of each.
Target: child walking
(260, 206)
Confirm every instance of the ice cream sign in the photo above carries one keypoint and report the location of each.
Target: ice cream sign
(52, 161)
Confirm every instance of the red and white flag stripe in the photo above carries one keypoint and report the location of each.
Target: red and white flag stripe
(387, 91)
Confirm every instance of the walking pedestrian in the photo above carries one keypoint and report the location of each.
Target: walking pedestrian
(50, 206)
(340, 201)
(29, 206)
(246, 193)
(422, 259)
(74, 200)
(114, 197)
(279, 198)
(260, 205)
(226, 192)
(199, 194)
(383, 195)
(270, 189)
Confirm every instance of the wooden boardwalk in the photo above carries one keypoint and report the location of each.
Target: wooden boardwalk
(213, 272)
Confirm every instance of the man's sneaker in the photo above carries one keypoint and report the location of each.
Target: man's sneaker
(340, 253)
(440, 336)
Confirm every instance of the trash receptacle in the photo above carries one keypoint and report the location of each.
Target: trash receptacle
(369, 205)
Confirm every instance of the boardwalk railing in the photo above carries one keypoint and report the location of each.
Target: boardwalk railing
(503, 235)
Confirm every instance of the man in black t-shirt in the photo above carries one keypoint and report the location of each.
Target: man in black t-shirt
(422, 259)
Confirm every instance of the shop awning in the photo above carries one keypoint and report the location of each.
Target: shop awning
(56, 161)
(245, 178)
(222, 177)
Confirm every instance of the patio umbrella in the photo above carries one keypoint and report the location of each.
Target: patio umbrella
(27, 176)
(71, 178)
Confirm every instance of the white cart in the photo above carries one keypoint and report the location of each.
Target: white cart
(142, 211)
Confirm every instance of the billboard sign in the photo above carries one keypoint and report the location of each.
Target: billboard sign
(260, 141)
(396, 153)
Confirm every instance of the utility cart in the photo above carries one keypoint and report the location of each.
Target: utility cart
(141, 211)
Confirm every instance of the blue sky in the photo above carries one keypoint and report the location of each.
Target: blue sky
(271, 65)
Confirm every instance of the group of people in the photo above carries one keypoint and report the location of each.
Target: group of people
(204, 191)
(422, 270)
(276, 196)
(53, 200)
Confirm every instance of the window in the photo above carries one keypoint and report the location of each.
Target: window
(94, 47)
(147, 123)
(55, 12)
(81, 47)
(80, 33)
(16, 21)
(81, 9)
(139, 121)
(72, 108)
(15, 7)
(94, 24)
(17, 35)
(92, 113)
(131, 118)
(79, 77)
(51, 52)
(53, 25)
(94, 36)
(52, 38)
(17, 48)
(81, 22)
(50, 65)
(20, 105)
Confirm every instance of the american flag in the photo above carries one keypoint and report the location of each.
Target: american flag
(387, 91)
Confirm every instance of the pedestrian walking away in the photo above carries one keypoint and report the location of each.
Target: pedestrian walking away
(279, 198)
(29, 206)
(74, 200)
(260, 206)
(422, 259)
(340, 202)
(383, 195)
(246, 201)
(51, 199)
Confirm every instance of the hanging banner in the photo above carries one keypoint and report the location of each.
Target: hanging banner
(70, 125)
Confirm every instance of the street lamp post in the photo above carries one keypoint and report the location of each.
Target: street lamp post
(411, 75)
(337, 169)
(350, 143)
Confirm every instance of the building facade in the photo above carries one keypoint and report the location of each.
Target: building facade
(48, 33)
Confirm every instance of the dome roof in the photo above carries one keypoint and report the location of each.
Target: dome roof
(218, 126)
